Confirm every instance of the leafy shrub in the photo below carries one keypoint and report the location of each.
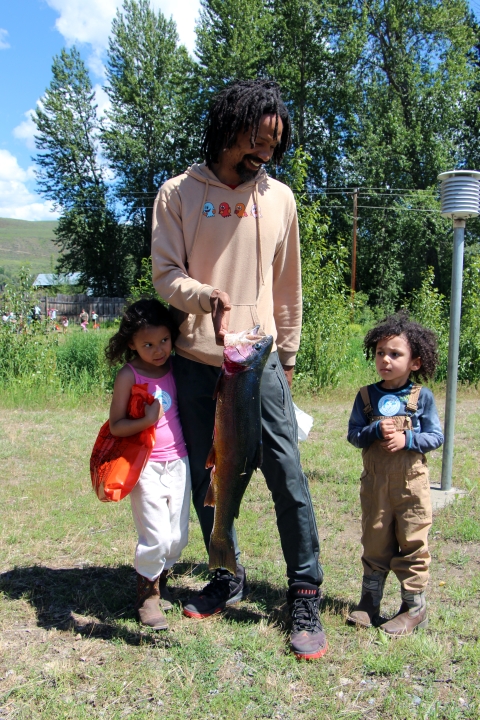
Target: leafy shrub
(326, 306)
(430, 308)
(81, 363)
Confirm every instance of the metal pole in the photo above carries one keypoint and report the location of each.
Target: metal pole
(453, 345)
(354, 247)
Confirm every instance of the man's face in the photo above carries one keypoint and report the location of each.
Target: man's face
(242, 162)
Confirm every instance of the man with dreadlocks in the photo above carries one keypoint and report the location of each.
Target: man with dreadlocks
(240, 269)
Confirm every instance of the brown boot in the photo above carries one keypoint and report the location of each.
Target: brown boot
(166, 598)
(148, 603)
(412, 615)
(367, 611)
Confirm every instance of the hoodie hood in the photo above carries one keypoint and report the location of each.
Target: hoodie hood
(203, 173)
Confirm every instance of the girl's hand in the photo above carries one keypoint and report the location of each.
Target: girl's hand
(387, 428)
(394, 443)
(154, 412)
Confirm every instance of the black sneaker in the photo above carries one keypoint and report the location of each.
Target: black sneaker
(223, 589)
(307, 639)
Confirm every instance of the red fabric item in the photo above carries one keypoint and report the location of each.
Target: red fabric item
(116, 463)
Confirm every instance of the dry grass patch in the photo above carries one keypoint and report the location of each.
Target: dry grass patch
(70, 646)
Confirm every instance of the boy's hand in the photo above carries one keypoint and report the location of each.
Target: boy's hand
(387, 428)
(395, 442)
(154, 412)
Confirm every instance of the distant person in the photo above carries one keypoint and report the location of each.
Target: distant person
(64, 322)
(84, 320)
(96, 324)
(395, 422)
(161, 498)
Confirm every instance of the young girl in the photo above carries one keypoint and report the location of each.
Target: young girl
(395, 422)
(161, 499)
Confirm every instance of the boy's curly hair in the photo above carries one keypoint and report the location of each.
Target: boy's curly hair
(137, 316)
(422, 341)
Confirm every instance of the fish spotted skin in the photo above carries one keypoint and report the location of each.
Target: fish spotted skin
(237, 439)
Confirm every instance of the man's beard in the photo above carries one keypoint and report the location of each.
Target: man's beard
(243, 172)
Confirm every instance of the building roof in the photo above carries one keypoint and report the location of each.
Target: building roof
(48, 279)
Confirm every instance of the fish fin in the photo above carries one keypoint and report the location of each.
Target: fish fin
(210, 462)
(221, 554)
(259, 456)
(217, 385)
(210, 496)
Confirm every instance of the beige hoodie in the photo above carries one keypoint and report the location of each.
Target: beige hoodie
(244, 242)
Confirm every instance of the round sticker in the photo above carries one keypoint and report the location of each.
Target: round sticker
(389, 405)
(164, 398)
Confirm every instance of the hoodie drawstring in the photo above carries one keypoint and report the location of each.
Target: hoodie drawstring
(198, 221)
(259, 239)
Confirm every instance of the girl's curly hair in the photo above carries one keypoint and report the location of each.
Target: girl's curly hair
(422, 341)
(137, 316)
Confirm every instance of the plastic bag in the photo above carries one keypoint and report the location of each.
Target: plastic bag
(116, 463)
(304, 423)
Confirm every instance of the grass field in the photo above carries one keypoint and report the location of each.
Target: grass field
(70, 646)
(22, 242)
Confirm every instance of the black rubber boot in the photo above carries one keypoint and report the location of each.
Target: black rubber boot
(367, 611)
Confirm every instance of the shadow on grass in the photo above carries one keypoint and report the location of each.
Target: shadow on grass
(94, 601)
(91, 601)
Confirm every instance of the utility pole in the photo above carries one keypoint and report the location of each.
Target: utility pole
(354, 247)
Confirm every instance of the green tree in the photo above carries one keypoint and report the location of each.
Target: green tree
(413, 78)
(69, 174)
(149, 134)
(232, 41)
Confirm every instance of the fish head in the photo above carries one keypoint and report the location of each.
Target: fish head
(246, 350)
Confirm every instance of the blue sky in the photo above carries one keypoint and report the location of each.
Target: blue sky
(31, 33)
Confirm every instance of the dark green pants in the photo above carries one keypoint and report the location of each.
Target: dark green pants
(281, 460)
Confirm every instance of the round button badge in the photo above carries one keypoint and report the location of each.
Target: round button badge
(164, 398)
(389, 405)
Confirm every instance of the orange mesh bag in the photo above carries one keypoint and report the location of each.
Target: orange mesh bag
(116, 463)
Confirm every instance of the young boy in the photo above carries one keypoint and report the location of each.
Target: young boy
(395, 422)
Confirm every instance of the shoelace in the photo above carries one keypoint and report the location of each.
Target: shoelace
(305, 615)
(219, 585)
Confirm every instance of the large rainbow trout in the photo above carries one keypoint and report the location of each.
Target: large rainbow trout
(237, 437)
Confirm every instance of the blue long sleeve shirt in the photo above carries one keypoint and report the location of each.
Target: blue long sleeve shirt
(426, 434)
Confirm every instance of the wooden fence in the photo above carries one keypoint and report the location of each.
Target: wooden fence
(72, 305)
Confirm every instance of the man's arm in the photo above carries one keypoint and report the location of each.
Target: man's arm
(287, 296)
(169, 257)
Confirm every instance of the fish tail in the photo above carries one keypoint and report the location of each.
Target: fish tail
(221, 554)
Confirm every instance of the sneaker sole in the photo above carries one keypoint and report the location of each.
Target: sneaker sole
(232, 601)
(311, 656)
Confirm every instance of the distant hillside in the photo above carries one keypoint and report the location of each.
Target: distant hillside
(23, 242)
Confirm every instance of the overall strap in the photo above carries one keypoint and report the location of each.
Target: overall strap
(412, 404)
(368, 410)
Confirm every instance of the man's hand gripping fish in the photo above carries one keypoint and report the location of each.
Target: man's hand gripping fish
(237, 437)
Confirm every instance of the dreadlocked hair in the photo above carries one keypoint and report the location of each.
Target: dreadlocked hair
(140, 314)
(238, 108)
(422, 341)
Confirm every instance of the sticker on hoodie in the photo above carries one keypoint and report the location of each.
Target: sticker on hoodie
(240, 210)
(256, 212)
(224, 209)
(209, 210)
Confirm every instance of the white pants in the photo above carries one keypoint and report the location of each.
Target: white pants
(161, 507)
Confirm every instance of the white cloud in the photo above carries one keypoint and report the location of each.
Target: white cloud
(16, 199)
(89, 21)
(102, 100)
(4, 45)
(26, 130)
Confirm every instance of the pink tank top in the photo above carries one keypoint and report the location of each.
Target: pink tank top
(169, 442)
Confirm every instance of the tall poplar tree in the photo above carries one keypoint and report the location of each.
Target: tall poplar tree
(69, 174)
(149, 134)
